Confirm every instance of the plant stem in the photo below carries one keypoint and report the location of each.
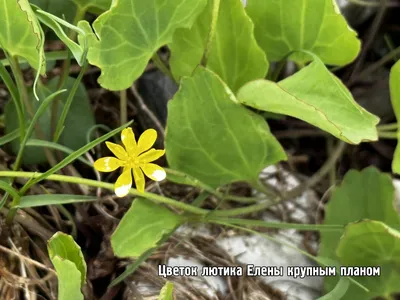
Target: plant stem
(50, 56)
(108, 186)
(123, 104)
(12, 88)
(245, 210)
(375, 66)
(162, 66)
(211, 33)
(387, 127)
(324, 170)
(259, 223)
(387, 135)
(68, 102)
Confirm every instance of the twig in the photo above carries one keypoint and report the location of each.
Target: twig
(148, 112)
(324, 170)
(27, 259)
(371, 37)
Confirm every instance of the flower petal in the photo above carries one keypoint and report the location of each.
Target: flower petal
(139, 179)
(128, 139)
(107, 164)
(117, 150)
(123, 184)
(146, 140)
(154, 172)
(151, 155)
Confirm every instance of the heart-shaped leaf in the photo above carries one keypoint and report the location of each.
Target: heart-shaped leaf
(368, 194)
(70, 266)
(21, 34)
(210, 136)
(283, 26)
(372, 243)
(235, 55)
(143, 225)
(316, 96)
(131, 32)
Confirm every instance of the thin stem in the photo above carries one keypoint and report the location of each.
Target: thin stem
(278, 225)
(108, 186)
(80, 14)
(373, 4)
(68, 102)
(245, 210)
(375, 66)
(387, 135)
(321, 173)
(162, 66)
(50, 56)
(123, 104)
(12, 88)
(387, 127)
(211, 33)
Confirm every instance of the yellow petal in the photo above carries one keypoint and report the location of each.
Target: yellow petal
(128, 139)
(139, 179)
(107, 164)
(117, 150)
(151, 155)
(146, 140)
(123, 184)
(154, 172)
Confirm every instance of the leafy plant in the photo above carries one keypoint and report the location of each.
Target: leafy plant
(221, 55)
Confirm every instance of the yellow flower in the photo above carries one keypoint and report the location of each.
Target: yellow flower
(134, 158)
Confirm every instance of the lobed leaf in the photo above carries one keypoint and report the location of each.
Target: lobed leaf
(235, 55)
(315, 96)
(127, 36)
(142, 227)
(210, 136)
(283, 26)
(70, 266)
(372, 243)
(394, 82)
(21, 34)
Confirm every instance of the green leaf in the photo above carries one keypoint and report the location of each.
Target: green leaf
(368, 194)
(338, 291)
(131, 32)
(21, 34)
(167, 291)
(61, 8)
(210, 136)
(79, 120)
(13, 135)
(85, 5)
(70, 266)
(235, 55)
(394, 82)
(283, 26)
(316, 96)
(52, 199)
(143, 225)
(51, 145)
(79, 51)
(372, 243)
